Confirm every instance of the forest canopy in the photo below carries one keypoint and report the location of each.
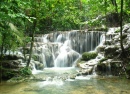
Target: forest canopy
(17, 17)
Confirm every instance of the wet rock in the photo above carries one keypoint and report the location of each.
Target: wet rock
(10, 64)
(100, 48)
(126, 28)
(116, 39)
(12, 57)
(101, 69)
(108, 42)
(48, 57)
(111, 51)
(128, 31)
(87, 71)
(109, 67)
(72, 76)
(38, 65)
(128, 70)
(79, 61)
(124, 35)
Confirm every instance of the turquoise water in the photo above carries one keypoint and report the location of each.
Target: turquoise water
(55, 84)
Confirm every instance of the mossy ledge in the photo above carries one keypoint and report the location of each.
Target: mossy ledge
(89, 55)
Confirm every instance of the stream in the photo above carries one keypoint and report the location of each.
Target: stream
(56, 83)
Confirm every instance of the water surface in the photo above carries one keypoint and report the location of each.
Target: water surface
(55, 84)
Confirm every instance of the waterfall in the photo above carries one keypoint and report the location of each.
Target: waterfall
(62, 49)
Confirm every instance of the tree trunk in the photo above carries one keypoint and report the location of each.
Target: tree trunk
(80, 4)
(105, 19)
(115, 4)
(33, 33)
(2, 46)
(32, 41)
(121, 20)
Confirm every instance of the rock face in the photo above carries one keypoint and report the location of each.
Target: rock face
(108, 61)
(111, 64)
(87, 63)
(10, 67)
(111, 51)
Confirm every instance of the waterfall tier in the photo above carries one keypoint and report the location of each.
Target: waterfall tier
(62, 49)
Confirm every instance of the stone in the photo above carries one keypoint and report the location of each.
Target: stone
(101, 68)
(116, 38)
(100, 48)
(128, 31)
(87, 71)
(38, 65)
(126, 27)
(72, 76)
(110, 51)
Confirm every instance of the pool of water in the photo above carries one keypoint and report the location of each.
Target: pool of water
(55, 84)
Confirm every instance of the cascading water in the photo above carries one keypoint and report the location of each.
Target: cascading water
(62, 49)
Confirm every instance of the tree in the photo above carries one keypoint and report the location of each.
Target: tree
(35, 6)
(114, 3)
(121, 40)
(10, 37)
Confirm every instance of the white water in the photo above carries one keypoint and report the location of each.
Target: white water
(62, 49)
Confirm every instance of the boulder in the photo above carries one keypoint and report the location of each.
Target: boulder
(111, 51)
(100, 48)
(126, 28)
(88, 55)
(87, 71)
(38, 65)
(108, 67)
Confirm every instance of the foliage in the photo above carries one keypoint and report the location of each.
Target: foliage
(35, 57)
(58, 14)
(88, 55)
(103, 59)
(10, 36)
(25, 71)
(117, 31)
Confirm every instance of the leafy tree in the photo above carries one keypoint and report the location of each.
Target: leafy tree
(11, 37)
(35, 7)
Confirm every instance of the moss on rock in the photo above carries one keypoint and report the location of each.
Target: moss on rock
(103, 59)
(88, 55)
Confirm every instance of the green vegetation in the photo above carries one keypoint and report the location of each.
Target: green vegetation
(25, 18)
(117, 31)
(103, 59)
(20, 20)
(88, 55)
(25, 71)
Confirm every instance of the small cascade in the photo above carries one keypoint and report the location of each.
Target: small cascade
(108, 70)
(62, 49)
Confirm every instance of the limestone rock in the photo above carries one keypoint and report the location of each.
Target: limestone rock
(111, 51)
(100, 48)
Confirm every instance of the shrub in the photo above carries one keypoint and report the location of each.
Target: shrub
(88, 55)
(25, 71)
